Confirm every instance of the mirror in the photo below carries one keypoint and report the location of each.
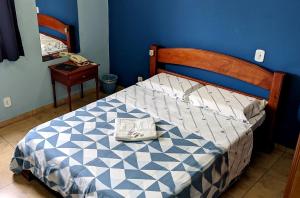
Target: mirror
(58, 27)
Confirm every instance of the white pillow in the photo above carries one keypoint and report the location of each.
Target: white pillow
(172, 85)
(227, 103)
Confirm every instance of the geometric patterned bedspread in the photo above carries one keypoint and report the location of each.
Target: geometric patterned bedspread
(234, 136)
(78, 156)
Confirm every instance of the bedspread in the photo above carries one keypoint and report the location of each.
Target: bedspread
(77, 155)
(232, 135)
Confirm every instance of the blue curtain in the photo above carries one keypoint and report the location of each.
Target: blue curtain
(10, 41)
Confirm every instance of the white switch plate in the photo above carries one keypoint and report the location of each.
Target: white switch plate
(37, 10)
(140, 78)
(151, 52)
(7, 102)
(260, 55)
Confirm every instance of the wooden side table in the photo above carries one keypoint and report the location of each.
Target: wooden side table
(74, 76)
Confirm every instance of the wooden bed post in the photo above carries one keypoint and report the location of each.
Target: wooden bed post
(273, 103)
(153, 52)
(68, 37)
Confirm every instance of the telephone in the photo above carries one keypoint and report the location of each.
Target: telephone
(64, 54)
(77, 59)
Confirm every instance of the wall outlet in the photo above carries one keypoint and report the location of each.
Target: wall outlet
(140, 79)
(259, 55)
(7, 102)
(151, 52)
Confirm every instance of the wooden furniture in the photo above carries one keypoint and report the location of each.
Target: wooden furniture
(58, 26)
(70, 78)
(224, 65)
(293, 186)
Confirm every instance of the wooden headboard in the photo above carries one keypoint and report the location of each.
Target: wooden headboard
(227, 66)
(58, 26)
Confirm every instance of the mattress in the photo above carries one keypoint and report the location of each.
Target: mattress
(232, 135)
(50, 45)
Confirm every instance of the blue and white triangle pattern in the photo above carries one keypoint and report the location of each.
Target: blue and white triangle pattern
(78, 156)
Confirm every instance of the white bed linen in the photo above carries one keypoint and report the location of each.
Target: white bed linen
(135, 129)
(51, 45)
(228, 103)
(233, 135)
(174, 86)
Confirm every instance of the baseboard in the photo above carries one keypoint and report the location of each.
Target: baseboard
(48, 107)
(42, 108)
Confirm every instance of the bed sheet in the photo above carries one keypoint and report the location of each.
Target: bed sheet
(78, 156)
(232, 135)
(51, 45)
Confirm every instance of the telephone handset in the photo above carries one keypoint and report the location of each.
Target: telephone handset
(64, 54)
(77, 59)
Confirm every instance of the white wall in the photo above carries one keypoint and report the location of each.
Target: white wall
(27, 80)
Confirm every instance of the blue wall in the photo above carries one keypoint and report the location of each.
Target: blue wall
(231, 27)
(64, 10)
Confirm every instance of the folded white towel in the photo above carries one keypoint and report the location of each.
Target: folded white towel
(133, 129)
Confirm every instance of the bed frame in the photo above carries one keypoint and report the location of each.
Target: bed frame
(227, 66)
(221, 64)
(58, 26)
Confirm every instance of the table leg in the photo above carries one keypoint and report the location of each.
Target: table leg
(97, 88)
(81, 87)
(54, 92)
(69, 98)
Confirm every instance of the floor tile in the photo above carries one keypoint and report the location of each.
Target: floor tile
(266, 160)
(46, 115)
(247, 180)
(21, 188)
(15, 132)
(282, 166)
(270, 186)
(4, 146)
(6, 154)
(259, 166)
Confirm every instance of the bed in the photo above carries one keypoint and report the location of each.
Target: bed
(51, 45)
(199, 153)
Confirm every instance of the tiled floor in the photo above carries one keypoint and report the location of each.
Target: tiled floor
(266, 177)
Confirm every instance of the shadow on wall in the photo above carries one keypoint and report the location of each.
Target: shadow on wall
(299, 114)
(289, 113)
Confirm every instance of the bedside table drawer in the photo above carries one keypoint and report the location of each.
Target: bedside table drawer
(83, 76)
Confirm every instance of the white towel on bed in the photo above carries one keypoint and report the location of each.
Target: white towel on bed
(132, 129)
